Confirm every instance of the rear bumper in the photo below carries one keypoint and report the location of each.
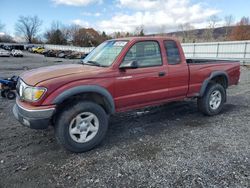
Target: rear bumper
(33, 118)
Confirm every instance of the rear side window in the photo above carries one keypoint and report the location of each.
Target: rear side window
(173, 54)
(147, 54)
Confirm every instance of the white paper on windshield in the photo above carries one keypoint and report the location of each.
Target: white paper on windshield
(120, 43)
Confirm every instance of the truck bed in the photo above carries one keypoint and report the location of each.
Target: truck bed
(201, 69)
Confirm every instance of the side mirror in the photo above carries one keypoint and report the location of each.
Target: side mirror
(129, 65)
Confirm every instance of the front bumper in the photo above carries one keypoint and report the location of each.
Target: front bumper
(33, 118)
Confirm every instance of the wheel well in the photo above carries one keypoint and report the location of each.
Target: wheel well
(89, 96)
(221, 79)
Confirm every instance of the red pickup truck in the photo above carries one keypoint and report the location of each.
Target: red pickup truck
(118, 75)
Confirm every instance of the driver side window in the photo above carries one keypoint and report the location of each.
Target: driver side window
(146, 54)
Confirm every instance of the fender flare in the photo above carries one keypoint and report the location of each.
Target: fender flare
(86, 89)
(213, 75)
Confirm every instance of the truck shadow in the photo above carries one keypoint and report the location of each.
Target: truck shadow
(150, 121)
(153, 121)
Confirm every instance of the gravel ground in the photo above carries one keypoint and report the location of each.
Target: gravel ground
(168, 146)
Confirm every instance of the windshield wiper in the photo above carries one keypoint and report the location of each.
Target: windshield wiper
(92, 63)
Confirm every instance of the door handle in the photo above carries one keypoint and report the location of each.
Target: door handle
(162, 74)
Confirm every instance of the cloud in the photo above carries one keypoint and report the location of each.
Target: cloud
(97, 14)
(80, 22)
(156, 15)
(139, 4)
(76, 2)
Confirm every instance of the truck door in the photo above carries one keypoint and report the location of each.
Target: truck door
(178, 77)
(145, 84)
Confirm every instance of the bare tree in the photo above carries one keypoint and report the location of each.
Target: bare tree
(212, 24)
(213, 21)
(207, 34)
(229, 20)
(139, 31)
(72, 31)
(6, 38)
(28, 27)
(187, 32)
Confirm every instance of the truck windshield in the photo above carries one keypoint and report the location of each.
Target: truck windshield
(105, 54)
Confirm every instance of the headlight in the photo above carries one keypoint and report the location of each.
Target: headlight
(33, 93)
(30, 93)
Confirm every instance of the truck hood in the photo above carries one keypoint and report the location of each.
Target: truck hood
(36, 76)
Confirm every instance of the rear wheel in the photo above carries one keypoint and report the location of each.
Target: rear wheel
(212, 101)
(81, 127)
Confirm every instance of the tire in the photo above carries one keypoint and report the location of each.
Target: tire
(3, 93)
(211, 103)
(10, 95)
(70, 133)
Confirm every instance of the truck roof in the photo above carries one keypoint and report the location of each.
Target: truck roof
(147, 38)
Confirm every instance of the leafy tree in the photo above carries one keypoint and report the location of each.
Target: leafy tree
(242, 30)
(104, 34)
(56, 37)
(57, 34)
(142, 32)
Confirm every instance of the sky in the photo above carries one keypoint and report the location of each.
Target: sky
(156, 16)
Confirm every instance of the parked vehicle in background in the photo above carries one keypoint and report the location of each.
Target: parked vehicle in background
(68, 54)
(49, 53)
(117, 76)
(64, 54)
(74, 55)
(17, 53)
(29, 47)
(4, 53)
(39, 50)
(6, 47)
(8, 87)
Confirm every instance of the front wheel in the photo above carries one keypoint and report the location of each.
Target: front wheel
(212, 101)
(10, 95)
(81, 126)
